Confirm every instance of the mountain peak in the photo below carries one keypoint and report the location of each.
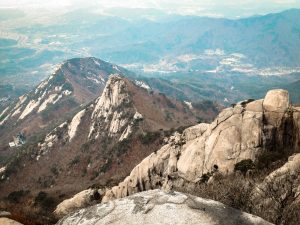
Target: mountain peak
(159, 207)
(74, 83)
(115, 103)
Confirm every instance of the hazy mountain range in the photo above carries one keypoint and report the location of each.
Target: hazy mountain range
(223, 52)
(100, 105)
(31, 47)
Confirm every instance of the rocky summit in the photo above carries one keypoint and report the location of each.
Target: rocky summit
(248, 132)
(241, 132)
(158, 207)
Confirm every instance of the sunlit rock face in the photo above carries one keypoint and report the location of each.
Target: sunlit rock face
(158, 207)
(243, 131)
(114, 107)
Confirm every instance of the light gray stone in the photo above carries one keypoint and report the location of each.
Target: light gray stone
(276, 100)
(158, 207)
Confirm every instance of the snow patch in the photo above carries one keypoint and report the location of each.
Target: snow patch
(67, 92)
(4, 111)
(46, 102)
(126, 133)
(74, 124)
(48, 143)
(62, 125)
(50, 137)
(22, 99)
(102, 79)
(57, 99)
(43, 95)
(94, 80)
(58, 88)
(96, 62)
(189, 104)
(142, 84)
(18, 111)
(29, 108)
(117, 123)
(137, 116)
(2, 169)
(116, 68)
(42, 85)
(92, 128)
(6, 118)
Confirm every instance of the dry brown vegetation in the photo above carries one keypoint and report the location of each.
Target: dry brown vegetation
(237, 189)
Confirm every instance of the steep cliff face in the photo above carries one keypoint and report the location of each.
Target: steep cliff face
(83, 79)
(74, 83)
(112, 115)
(242, 132)
(158, 207)
(116, 109)
(99, 145)
(116, 115)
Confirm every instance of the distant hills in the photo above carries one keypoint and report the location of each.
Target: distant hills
(31, 50)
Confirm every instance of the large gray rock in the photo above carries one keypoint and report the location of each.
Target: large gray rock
(276, 100)
(82, 199)
(157, 207)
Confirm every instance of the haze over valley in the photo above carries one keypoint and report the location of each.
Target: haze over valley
(166, 112)
(158, 44)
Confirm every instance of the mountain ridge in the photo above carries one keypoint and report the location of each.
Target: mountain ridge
(97, 146)
(252, 135)
(75, 83)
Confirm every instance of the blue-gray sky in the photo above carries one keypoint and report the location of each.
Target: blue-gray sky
(218, 8)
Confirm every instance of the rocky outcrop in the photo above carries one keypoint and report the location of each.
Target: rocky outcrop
(243, 131)
(276, 101)
(280, 191)
(114, 109)
(6, 221)
(82, 199)
(158, 207)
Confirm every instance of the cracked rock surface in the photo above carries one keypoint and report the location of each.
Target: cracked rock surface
(158, 207)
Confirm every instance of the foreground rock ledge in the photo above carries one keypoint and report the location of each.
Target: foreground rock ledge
(158, 207)
(7, 221)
